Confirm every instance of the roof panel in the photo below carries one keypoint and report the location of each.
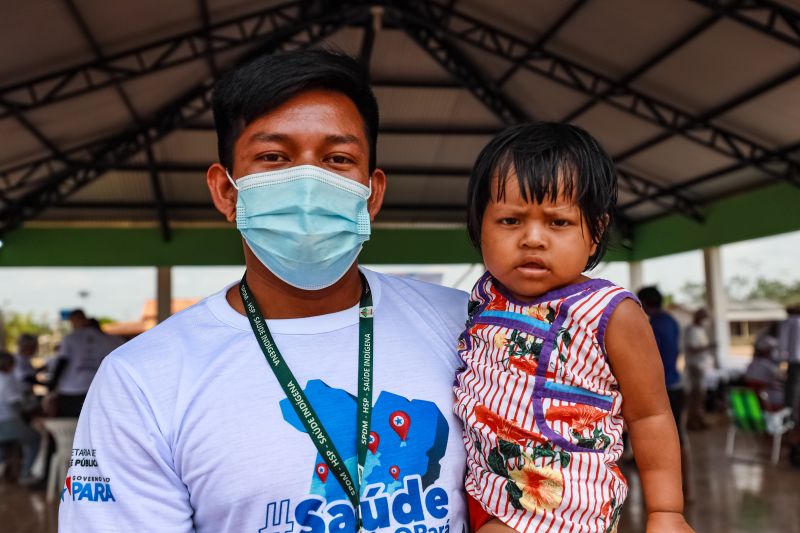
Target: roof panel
(528, 23)
(181, 187)
(188, 146)
(152, 92)
(615, 36)
(39, 36)
(448, 107)
(615, 129)
(396, 56)
(126, 24)
(116, 187)
(676, 160)
(429, 150)
(723, 62)
(774, 118)
(81, 119)
(18, 145)
(541, 98)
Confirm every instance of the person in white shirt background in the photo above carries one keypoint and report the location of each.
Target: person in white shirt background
(698, 351)
(77, 360)
(12, 426)
(313, 395)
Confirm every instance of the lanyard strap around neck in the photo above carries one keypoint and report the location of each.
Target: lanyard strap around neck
(302, 407)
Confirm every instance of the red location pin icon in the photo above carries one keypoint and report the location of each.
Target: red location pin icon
(395, 472)
(374, 440)
(322, 471)
(400, 422)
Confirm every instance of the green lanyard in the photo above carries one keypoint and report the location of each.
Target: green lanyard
(302, 406)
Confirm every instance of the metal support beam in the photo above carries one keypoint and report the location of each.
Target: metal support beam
(189, 107)
(495, 41)
(718, 111)
(205, 21)
(492, 97)
(158, 195)
(551, 32)
(646, 65)
(461, 67)
(779, 21)
(792, 170)
(151, 57)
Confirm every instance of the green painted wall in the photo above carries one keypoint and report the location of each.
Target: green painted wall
(761, 213)
(768, 211)
(207, 246)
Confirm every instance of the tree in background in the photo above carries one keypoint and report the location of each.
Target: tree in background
(741, 288)
(16, 324)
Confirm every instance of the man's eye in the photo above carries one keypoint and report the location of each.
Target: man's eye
(339, 160)
(273, 158)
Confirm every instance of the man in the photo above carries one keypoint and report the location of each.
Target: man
(78, 358)
(698, 352)
(252, 411)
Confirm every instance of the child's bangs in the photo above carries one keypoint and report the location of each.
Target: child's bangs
(539, 175)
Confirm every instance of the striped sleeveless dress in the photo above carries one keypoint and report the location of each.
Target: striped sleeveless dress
(541, 408)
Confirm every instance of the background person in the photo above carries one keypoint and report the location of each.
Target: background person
(76, 363)
(12, 426)
(698, 356)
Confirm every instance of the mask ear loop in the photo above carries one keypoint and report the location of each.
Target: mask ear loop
(237, 188)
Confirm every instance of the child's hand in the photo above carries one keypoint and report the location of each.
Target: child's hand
(667, 522)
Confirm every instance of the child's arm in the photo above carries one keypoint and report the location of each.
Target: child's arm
(635, 361)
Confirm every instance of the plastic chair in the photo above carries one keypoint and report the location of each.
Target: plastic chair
(748, 416)
(63, 432)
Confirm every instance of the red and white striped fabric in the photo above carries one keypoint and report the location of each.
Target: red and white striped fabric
(541, 408)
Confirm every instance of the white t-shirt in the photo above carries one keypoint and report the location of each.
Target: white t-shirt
(84, 350)
(696, 337)
(186, 428)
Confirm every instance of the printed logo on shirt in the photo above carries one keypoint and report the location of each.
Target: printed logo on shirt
(407, 442)
(88, 485)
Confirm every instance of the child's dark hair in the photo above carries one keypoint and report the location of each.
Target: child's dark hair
(549, 159)
(255, 88)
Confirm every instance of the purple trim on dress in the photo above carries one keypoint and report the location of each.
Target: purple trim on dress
(555, 294)
(579, 398)
(513, 324)
(539, 391)
(606, 316)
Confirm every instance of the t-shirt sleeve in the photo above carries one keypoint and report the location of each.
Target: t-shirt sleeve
(121, 475)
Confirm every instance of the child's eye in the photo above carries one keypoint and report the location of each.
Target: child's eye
(560, 222)
(509, 221)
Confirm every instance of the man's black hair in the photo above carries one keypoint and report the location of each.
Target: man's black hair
(254, 89)
(549, 159)
(650, 297)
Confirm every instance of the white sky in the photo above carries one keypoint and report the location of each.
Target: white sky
(120, 293)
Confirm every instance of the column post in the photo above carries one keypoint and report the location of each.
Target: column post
(163, 293)
(717, 302)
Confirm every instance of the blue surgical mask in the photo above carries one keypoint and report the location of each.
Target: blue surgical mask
(305, 224)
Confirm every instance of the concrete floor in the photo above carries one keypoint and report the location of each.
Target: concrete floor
(729, 496)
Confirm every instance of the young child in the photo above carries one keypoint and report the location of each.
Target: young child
(550, 354)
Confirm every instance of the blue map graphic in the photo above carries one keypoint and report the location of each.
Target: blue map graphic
(419, 454)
